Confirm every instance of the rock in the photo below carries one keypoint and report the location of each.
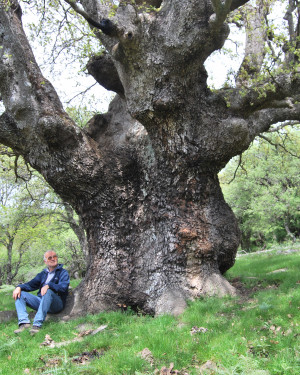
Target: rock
(5, 316)
(209, 368)
(146, 355)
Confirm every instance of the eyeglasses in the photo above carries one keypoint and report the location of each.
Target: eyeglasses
(52, 257)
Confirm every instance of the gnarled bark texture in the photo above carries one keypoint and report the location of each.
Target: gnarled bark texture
(143, 177)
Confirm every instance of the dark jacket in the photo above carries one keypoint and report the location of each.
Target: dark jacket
(59, 284)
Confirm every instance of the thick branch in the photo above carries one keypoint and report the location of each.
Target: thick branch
(221, 11)
(266, 104)
(237, 3)
(102, 68)
(105, 25)
(256, 37)
(277, 91)
(289, 18)
(93, 9)
(281, 126)
(35, 123)
(264, 118)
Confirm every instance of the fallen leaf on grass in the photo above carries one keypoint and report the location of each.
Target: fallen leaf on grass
(167, 370)
(50, 362)
(48, 341)
(196, 329)
(84, 357)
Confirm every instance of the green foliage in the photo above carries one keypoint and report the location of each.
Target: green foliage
(32, 221)
(264, 194)
(6, 300)
(256, 334)
(5, 346)
(80, 115)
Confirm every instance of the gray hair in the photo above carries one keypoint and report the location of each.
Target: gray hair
(48, 251)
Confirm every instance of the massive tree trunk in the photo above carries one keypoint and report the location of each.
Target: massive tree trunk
(143, 177)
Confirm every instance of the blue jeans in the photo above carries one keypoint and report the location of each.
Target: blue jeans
(50, 302)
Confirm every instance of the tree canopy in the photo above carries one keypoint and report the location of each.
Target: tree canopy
(263, 189)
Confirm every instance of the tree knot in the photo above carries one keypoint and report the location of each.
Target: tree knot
(187, 234)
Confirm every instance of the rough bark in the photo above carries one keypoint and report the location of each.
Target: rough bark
(102, 68)
(256, 36)
(143, 177)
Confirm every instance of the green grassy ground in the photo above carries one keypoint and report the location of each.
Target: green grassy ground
(256, 334)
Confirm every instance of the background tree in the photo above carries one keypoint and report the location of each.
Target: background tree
(143, 177)
(33, 220)
(264, 191)
(19, 220)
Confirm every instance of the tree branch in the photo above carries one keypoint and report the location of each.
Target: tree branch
(276, 91)
(237, 3)
(105, 25)
(102, 68)
(35, 124)
(221, 9)
(281, 145)
(264, 118)
(81, 93)
(256, 37)
(281, 126)
(235, 172)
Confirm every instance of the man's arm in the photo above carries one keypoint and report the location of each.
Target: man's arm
(33, 284)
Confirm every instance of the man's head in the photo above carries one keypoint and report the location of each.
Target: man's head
(51, 259)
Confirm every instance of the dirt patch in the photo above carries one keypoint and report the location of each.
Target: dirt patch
(245, 292)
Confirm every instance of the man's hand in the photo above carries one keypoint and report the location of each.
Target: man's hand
(44, 289)
(17, 293)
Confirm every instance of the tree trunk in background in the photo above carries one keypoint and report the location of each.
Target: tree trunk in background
(143, 177)
(9, 245)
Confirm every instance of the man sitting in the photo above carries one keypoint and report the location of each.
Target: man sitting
(52, 283)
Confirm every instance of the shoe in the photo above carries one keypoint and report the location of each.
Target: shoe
(34, 330)
(22, 327)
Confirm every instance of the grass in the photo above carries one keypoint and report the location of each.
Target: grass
(257, 334)
(6, 300)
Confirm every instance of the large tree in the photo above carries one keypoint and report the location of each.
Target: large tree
(143, 177)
